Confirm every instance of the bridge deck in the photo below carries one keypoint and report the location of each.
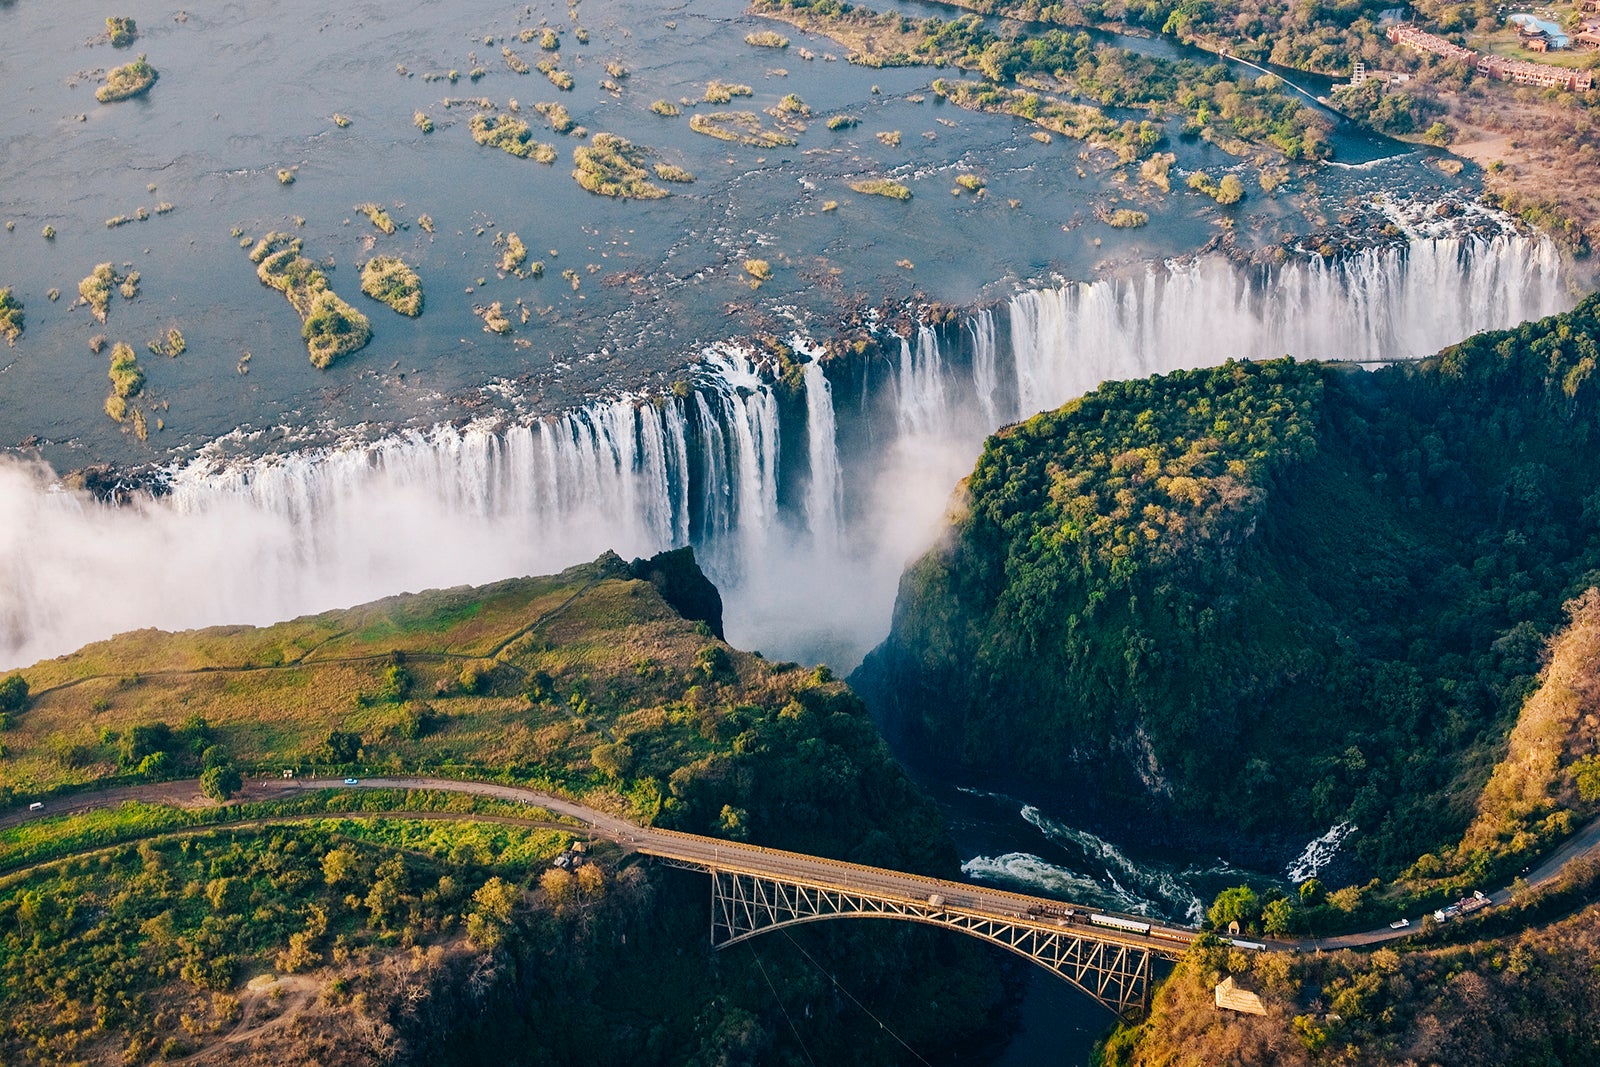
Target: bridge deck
(964, 898)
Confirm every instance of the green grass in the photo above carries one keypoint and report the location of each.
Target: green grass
(613, 662)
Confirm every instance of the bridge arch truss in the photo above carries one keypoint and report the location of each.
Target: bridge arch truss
(1114, 973)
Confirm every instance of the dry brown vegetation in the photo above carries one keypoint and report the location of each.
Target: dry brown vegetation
(1476, 1003)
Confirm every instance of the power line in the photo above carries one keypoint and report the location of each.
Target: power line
(881, 1024)
(804, 1051)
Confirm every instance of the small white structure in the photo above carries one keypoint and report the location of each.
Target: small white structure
(1231, 997)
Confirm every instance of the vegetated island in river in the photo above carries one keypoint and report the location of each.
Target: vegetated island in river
(11, 318)
(389, 280)
(614, 166)
(177, 922)
(332, 328)
(1535, 144)
(125, 82)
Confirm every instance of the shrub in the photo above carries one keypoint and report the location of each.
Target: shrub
(882, 187)
(741, 126)
(123, 83)
(613, 166)
(1126, 219)
(10, 317)
(511, 136)
(766, 39)
(389, 280)
(13, 693)
(220, 783)
(122, 31)
(378, 217)
(721, 92)
(666, 108)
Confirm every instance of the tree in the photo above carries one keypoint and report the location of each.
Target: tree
(1586, 776)
(144, 740)
(13, 693)
(613, 760)
(1239, 904)
(1230, 190)
(591, 882)
(734, 822)
(220, 782)
(1278, 917)
(339, 865)
(341, 747)
(560, 887)
(1311, 892)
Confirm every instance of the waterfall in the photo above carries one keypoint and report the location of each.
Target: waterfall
(825, 491)
(750, 411)
(922, 407)
(263, 538)
(1383, 303)
(985, 376)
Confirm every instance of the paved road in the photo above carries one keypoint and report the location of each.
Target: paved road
(752, 859)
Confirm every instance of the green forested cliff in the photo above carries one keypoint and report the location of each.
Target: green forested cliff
(1270, 593)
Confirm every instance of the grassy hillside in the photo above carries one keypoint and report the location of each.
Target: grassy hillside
(301, 932)
(1265, 594)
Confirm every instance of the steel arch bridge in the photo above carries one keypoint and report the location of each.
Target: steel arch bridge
(1111, 968)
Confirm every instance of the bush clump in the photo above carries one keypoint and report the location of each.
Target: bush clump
(721, 92)
(559, 118)
(613, 166)
(1126, 218)
(669, 173)
(515, 254)
(759, 270)
(766, 39)
(122, 31)
(378, 217)
(494, 319)
(558, 77)
(96, 290)
(389, 280)
(128, 81)
(742, 127)
(332, 328)
(882, 187)
(422, 122)
(511, 136)
(666, 109)
(10, 317)
(127, 380)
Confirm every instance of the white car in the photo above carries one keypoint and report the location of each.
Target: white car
(1400, 924)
